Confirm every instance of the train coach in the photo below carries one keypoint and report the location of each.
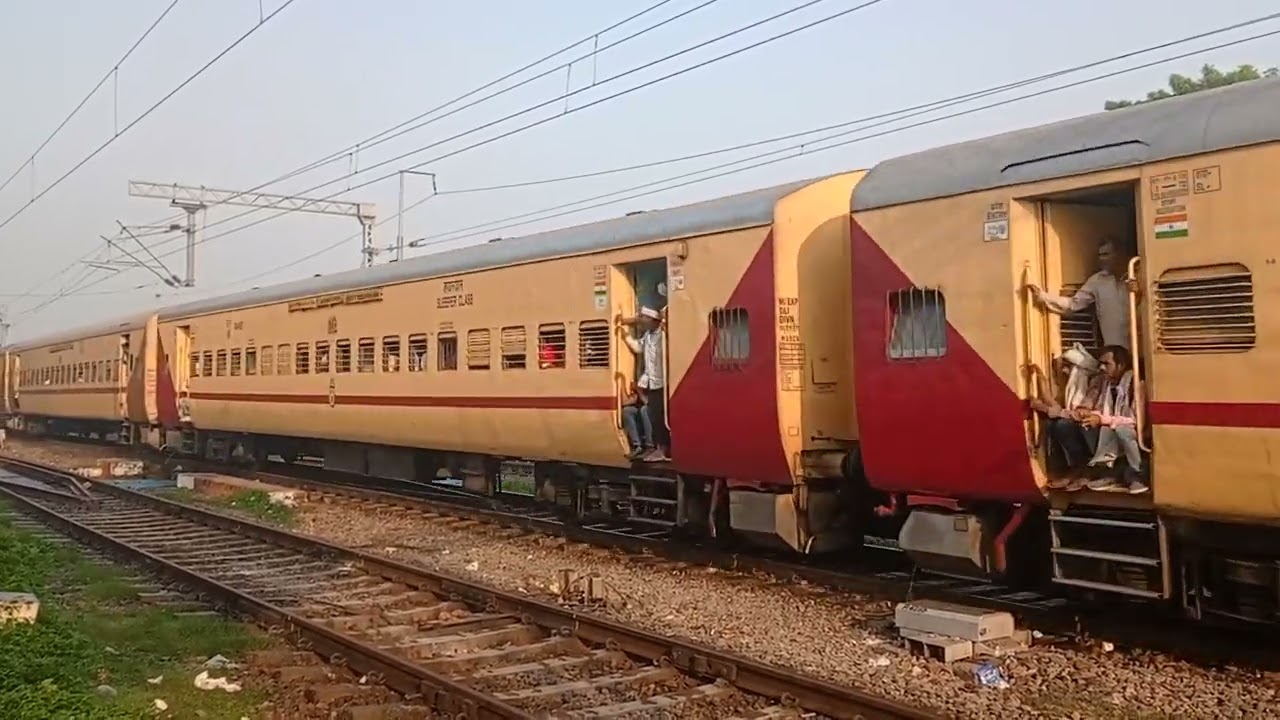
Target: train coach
(98, 381)
(502, 364)
(947, 248)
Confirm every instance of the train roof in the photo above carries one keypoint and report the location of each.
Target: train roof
(98, 329)
(734, 212)
(1243, 114)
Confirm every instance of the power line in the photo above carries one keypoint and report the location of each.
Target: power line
(145, 113)
(934, 105)
(543, 121)
(400, 129)
(114, 71)
(374, 139)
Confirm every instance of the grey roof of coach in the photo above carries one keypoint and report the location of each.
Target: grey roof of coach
(744, 210)
(118, 325)
(1235, 116)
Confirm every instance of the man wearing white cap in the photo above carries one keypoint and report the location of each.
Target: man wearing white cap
(651, 381)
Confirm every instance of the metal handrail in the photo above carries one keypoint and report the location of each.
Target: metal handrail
(1139, 409)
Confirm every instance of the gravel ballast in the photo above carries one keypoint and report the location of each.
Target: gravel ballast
(837, 636)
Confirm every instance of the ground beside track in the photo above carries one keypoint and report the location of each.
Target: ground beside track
(840, 637)
(96, 647)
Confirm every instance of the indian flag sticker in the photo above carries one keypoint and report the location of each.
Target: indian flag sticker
(1171, 226)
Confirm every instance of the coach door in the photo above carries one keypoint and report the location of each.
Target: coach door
(643, 285)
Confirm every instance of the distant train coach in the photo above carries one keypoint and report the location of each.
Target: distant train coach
(1039, 356)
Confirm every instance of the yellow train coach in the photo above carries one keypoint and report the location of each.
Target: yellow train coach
(98, 381)
(505, 361)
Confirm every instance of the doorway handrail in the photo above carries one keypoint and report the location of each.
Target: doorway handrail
(1033, 382)
(1139, 397)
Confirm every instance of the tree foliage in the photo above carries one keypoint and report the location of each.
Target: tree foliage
(1210, 77)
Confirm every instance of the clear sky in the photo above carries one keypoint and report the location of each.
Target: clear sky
(325, 74)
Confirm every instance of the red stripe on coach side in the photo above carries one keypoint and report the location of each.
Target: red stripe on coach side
(489, 403)
(1236, 415)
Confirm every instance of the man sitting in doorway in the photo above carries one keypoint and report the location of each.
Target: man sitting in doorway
(635, 421)
(1106, 290)
(651, 383)
(1116, 420)
(1065, 403)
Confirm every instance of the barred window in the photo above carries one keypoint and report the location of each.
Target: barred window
(236, 360)
(552, 345)
(222, 363)
(418, 353)
(193, 369)
(366, 350)
(447, 351)
(322, 356)
(514, 348)
(206, 364)
(302, 359)
(593, 344)
(1078, 327)
(730, 338)
(478, 350)
(917, 324)
(250, 361)
(284, 359)
(391, 353)
(268, 360)
(342, 356)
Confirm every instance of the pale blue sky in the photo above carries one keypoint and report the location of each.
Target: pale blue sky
(326, 73)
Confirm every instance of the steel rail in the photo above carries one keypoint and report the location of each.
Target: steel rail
(750, 676)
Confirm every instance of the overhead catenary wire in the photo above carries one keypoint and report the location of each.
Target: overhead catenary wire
(190, 78)
(919, 109)
(114, 70)
(933, 105)
(381, 136)
(542, 121)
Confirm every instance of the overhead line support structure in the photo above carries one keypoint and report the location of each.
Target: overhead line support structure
(194, 199)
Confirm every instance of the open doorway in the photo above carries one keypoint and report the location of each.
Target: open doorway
(1088, 365)
(643, 406)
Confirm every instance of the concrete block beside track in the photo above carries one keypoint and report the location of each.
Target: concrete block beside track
(215, 485)
(18, 607)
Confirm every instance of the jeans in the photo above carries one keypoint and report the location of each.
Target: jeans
(1126, 436)
(635, 421)
(1075, 441)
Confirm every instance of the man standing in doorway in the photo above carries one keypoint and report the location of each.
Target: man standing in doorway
(652, 382)
(1106, 290)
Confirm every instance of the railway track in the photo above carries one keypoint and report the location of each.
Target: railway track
(449, 646)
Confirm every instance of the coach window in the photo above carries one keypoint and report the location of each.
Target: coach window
(235, 361)
(552, 345)
(108, 371)
(730, 338)
(367, 349)
(302, 359)
(447, 351)
(251, 361)
(514, 348)
(268, 360)
(322, 357)
(391, 353)
(222, 363)
(593, 344)
(284, 359)
(917, 324)
(93, 373)
(478, 350)
(206, 363)
(193, 368)
(342, 361)
(418, 353)
(82, 373)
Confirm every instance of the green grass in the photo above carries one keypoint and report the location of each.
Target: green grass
(93, 631)
(256, 504)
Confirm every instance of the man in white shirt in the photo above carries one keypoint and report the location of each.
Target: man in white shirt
(1106, 290)
(651, 382)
